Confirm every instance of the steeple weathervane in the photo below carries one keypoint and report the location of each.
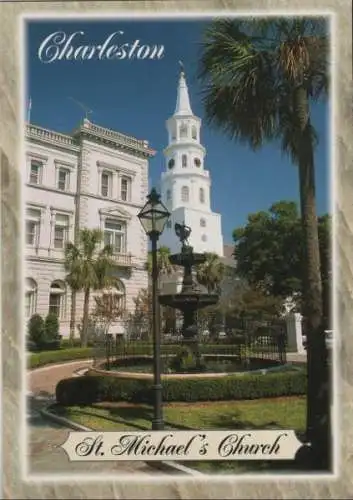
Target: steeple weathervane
(182, 71)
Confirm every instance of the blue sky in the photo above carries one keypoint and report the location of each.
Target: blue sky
(137, 96)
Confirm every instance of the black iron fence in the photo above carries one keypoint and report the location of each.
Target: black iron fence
(260, 342)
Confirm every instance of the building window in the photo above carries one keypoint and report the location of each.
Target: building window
(197, 162)
(106, 184)
(32, 227)
(183, 131)
(203, 222)
(35, 173)
(194, 132)
(202, 195)
(184, 161)
(57, 298)
(185, 194)
(125, 189)
(115, 235)
(30, 297)
(204, 237)
(169, 195)
(61, 230)
(63, 179)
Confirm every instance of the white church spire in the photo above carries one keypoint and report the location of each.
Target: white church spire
(185, 183)
(183, 102)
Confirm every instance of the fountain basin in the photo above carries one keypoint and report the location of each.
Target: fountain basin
(187, 258)
(185, 301)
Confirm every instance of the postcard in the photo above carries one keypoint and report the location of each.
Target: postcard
(174, 212)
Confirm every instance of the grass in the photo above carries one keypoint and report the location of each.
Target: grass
(277, 413)
(37, 359)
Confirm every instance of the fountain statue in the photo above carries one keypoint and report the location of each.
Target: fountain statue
(191, 298)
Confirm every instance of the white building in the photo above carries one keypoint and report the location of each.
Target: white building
(186, 185)
(94, 178)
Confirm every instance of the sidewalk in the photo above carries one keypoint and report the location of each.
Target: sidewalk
(45, 456)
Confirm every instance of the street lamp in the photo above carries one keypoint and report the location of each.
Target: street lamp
(153, 218)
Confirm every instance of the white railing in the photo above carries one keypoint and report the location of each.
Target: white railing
(36, 132)
(121, 259)
(116, 136)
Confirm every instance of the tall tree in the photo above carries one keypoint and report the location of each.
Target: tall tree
(210, 274)
(260, 77)
(89, 267)
(269, 251)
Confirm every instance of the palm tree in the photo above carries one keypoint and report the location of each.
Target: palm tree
(88, 267)
(260, 77)
(165, 268)
(211, 273)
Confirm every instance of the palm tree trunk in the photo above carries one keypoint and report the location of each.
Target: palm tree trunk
(318, 432)
(72, 316)
(85, 317)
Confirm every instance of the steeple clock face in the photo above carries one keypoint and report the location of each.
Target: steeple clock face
(171, 163)
(197, 162)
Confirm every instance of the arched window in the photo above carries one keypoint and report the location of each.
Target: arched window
(202, 195)
(203, 222)
(184, 161)
(30, 297)
(57, 296)
(183, 131)
(185, 194)
(194, 132)
(169, 195)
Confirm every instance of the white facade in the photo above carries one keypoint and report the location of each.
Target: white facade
(94, 178)
(186, 185)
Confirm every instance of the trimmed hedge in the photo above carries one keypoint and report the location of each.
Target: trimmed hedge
(92, 388)
(48, 357)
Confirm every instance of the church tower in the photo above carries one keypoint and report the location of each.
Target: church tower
(185, 184)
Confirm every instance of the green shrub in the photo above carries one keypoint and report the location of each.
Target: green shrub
(36, 330)
(92, 388)
(75, 342)
(185, 361)
(51, 327)
(59, 356)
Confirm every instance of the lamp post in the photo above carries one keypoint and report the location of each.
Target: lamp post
(153, 218)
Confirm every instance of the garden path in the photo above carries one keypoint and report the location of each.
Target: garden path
(45, 455)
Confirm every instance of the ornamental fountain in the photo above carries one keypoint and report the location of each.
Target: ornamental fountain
(191, 298)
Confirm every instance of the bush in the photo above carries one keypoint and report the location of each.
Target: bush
(51, 327)
(185, 361)
(36, 330)
(92, 388)
(59, 356)
(75, 342)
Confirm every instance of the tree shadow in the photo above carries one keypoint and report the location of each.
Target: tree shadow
(122, 415)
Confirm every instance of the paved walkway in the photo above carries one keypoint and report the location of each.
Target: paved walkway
(45, 455)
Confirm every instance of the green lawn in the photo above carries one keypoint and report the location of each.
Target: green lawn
(277, 413)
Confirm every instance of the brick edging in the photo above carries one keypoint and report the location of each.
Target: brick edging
(163, 465)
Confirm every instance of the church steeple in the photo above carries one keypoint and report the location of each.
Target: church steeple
(182, 107)
(185, 183)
